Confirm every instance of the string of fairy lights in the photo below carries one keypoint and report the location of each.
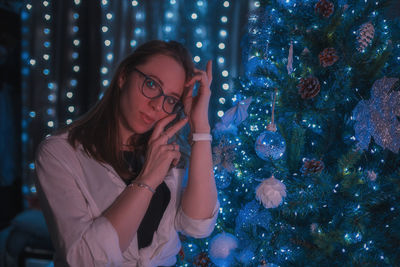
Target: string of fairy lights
(74, 53)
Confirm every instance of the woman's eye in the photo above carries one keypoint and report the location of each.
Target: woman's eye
(151, 84)
(172, 101)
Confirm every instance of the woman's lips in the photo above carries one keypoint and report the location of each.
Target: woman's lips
(146, 119)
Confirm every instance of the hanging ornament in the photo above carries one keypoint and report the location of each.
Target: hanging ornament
(233, 117)
(289, 65)
(377, 117)
(328, 57)
(270, 144)
(221, 249)
(372, 176)
(324, 8)
(222, 179)
(365, 35)
(202, 260)
(224, 155)
(271, 192)
(305, 52)
(309, 87)
(312, 166)
(313, 228)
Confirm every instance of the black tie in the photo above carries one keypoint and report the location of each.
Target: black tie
(157, 206)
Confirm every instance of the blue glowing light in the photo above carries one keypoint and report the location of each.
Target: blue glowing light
(24, 55)
(24, 15)
(24, 137)
(32, 166)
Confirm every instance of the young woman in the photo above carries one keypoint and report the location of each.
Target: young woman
(110, 183)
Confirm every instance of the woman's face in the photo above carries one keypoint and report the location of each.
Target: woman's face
(140, 113)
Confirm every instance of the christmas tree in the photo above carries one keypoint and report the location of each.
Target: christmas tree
(307, 159)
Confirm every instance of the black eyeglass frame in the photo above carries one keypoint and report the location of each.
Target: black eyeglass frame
(178, 106)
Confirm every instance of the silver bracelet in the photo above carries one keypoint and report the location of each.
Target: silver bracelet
(201, 137)
(140, 184)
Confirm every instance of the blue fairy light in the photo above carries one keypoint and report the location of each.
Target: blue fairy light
(24, 137)
(32, 166)
(24, 15)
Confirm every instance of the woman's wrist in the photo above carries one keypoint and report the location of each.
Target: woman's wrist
(201, 129)
(142, 185)
(147, 180)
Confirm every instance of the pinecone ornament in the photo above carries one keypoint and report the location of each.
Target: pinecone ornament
(312, 166)
(309, 87)
(202, 260)
(328, 57)
(324, 8)
(181, 254)
(366, 33)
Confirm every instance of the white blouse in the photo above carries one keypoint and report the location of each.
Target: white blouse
(74, 190)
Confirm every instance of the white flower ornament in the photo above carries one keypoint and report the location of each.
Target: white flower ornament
(271, 192)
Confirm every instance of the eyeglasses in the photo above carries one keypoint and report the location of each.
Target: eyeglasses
(152, 90)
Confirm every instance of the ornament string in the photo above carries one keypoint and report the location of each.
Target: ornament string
(272, 126)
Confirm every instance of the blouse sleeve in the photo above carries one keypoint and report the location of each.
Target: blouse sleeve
(197, 228)
(80, 239)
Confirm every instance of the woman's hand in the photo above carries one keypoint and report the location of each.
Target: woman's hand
(160, 155)
(196, 108)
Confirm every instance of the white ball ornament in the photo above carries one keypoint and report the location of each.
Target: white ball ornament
(271, 192)
(221, 249)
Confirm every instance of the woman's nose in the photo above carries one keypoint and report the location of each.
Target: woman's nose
(156, 103)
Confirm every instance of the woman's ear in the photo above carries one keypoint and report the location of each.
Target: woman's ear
(121, 80)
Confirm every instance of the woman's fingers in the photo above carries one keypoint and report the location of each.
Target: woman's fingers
(209, 72)
(187, 101)
(173, 129)
(170, 147)
(159, 128)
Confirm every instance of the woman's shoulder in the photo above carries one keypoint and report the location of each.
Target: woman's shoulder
(57, 144)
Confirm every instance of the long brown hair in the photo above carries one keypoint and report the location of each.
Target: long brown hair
(98, 131)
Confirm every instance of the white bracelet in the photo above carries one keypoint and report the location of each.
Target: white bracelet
(142, 185)
(201, 137)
